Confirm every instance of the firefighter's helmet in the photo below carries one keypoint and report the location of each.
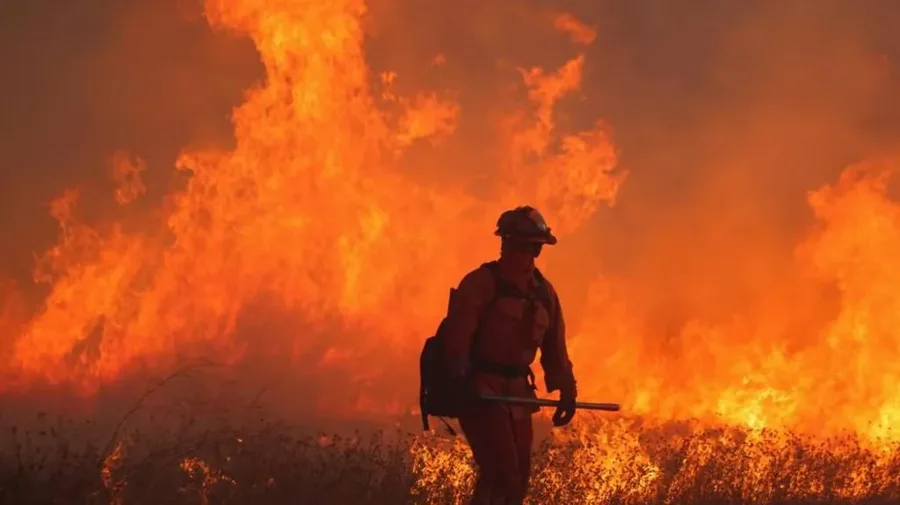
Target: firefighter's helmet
(524, 223)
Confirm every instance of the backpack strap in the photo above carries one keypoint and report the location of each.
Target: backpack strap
(544, 294)
(503, 288)
(546, 299)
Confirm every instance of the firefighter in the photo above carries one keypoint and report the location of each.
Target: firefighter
(501, 314)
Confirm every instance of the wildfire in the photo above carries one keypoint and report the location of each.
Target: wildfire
(310, 210)
(315, 214)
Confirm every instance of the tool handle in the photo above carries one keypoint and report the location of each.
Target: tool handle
(543, 402)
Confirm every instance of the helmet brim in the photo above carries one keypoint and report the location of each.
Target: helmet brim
(547, 239)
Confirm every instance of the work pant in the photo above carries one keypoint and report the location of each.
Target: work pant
(501, 445)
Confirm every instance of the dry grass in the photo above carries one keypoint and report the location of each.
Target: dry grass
(613, 462)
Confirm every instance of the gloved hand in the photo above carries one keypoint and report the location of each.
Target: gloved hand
(566, 409)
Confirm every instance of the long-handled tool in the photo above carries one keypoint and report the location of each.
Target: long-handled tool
(543, 402)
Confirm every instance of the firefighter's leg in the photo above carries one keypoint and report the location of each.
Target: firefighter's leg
(524, 435)
(496, 442)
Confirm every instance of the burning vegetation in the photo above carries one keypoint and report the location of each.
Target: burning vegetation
(308, 261)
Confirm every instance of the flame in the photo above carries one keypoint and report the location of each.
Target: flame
(311, 212)
(314, 213)
(113, 484)
(747, 372)
(195, 467)
(126, 172)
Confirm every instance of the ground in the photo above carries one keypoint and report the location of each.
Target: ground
(614, 461)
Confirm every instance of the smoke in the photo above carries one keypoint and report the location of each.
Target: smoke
(84, 81)
(727, 114)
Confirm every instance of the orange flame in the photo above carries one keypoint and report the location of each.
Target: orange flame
(309, 211)
(313, 214)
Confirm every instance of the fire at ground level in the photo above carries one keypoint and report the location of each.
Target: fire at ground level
(202, 452)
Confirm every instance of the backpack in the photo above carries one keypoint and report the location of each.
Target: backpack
(437, 388)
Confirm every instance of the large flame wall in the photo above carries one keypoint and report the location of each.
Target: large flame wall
(322, 243)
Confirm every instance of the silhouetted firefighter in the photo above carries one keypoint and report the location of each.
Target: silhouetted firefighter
(477, 366)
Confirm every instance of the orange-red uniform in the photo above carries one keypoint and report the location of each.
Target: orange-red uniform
(497, 322)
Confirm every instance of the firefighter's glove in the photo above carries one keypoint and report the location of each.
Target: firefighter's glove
(566, 409)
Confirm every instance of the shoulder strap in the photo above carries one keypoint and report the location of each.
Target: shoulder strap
(543, 290)
(499, 285)
(491, 267)
(540, 277)
(502, 288)
(546, 299)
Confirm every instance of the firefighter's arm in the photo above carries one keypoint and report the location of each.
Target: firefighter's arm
(558, 372)
(464, 315)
